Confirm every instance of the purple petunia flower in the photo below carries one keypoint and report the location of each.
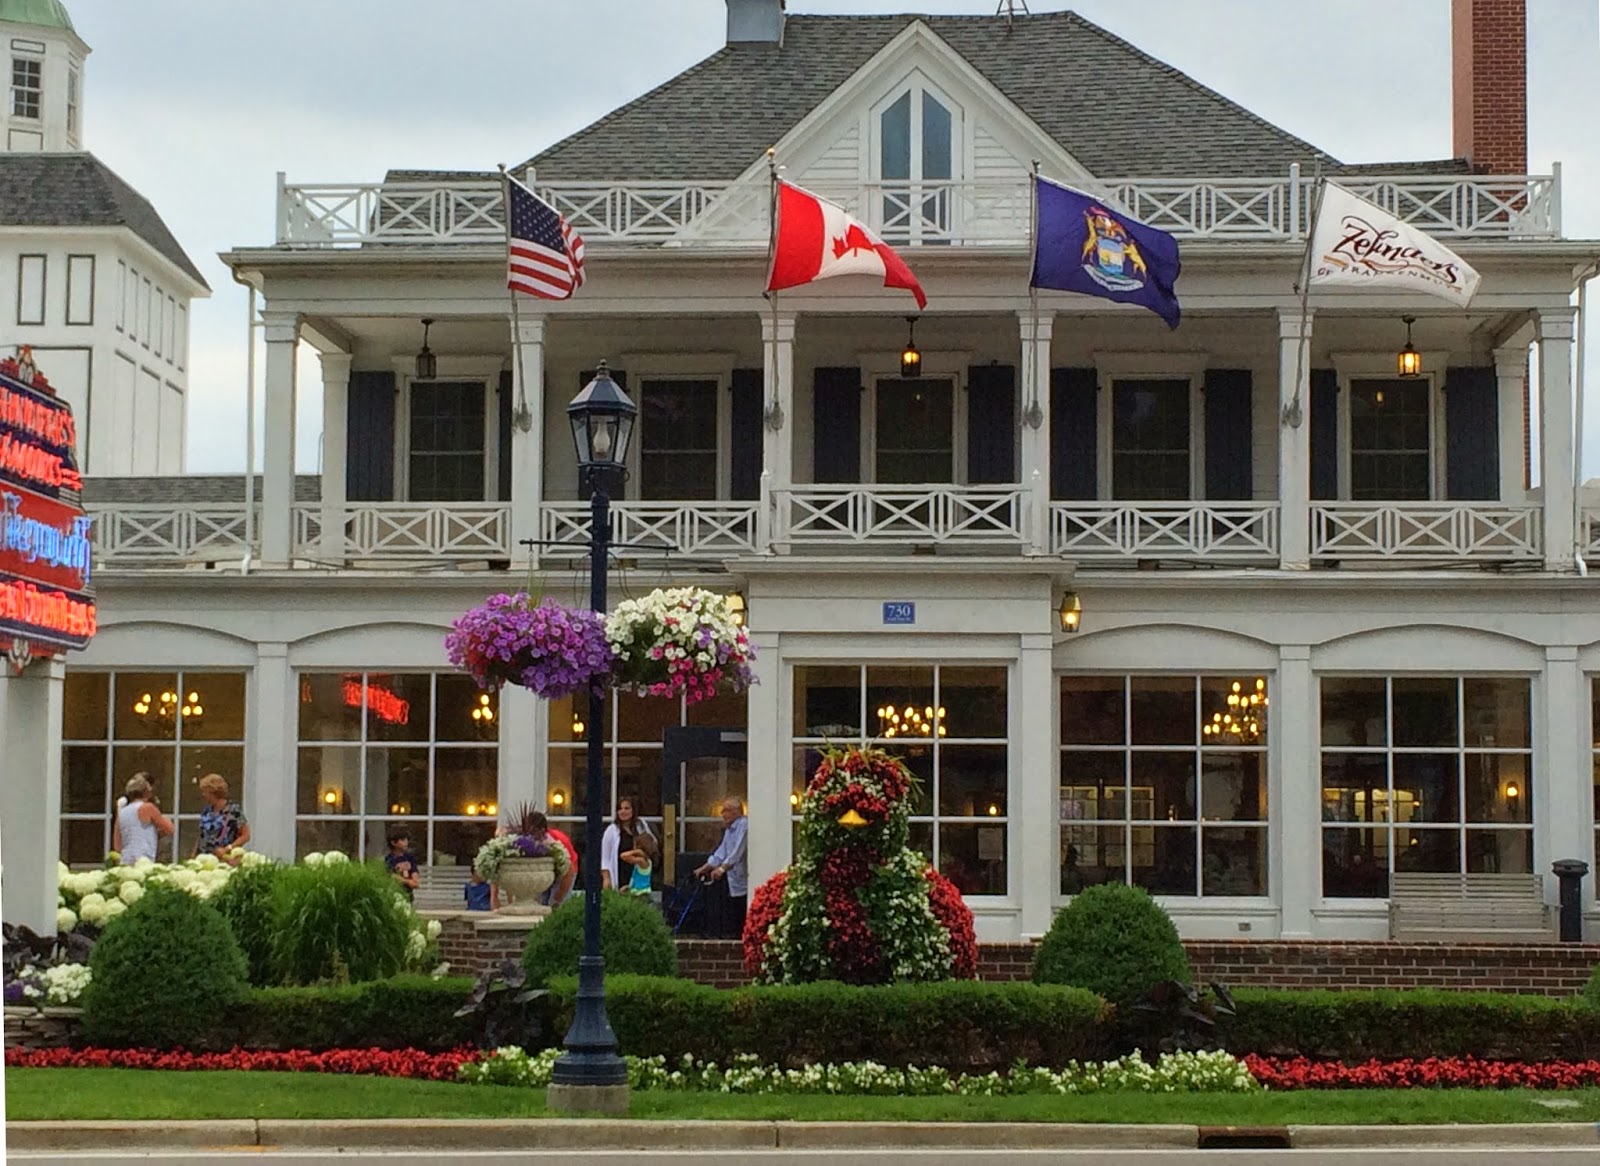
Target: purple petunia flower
(550, 649)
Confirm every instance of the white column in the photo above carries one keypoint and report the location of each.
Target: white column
(1035, 422)
(1562, 782)
(269, 794)
(1035, 805)
(1294, 789)
(527, 444)
(1510, 367)
(30, 794)
(524, 735)
(1555, 435)
(1294, 441)
(335, 451)
(282, 333)
(777, 432)
(768, 763)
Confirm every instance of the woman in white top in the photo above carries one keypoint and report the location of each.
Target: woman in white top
(619, 837)
(138, 823)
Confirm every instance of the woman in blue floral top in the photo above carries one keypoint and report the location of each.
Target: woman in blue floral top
(222, 823)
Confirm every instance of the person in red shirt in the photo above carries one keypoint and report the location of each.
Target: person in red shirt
(541, 828)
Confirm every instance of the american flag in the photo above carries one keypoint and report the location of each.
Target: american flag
(544, 255)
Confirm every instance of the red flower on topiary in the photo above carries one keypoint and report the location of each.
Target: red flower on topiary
(766, 905)
(953, 913)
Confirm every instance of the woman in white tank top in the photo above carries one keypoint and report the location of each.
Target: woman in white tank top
(138, 823)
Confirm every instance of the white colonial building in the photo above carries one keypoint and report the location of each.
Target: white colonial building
(1371, 565)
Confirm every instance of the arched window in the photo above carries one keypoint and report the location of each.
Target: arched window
(916, 161)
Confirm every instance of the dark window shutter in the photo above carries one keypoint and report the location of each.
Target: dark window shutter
(1472, 434)
(991, 424)
(836, 426)
(745, 477)
(1324, 421)
(1228, 434)
(369, 454)
(508, 388)
(1074, 433)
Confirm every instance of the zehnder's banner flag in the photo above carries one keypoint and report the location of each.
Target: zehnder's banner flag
(1357, 244)
(814, 239)
(1080, 245)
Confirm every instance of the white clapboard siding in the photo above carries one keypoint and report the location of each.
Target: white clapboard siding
(992, 162)
(840, 164)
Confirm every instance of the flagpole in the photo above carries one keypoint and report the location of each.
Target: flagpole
(772, 415)
(521, 417)
(1033, 416)
(1292, 413)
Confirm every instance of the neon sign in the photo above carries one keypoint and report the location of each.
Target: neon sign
(46, 556)
(384, 704)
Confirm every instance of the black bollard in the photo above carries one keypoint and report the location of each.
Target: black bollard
(1570, 872)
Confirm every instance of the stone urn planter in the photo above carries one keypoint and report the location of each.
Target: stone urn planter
(524, 880)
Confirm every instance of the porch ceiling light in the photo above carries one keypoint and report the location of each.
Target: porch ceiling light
(1408, 360)
(910, 358)
(602, 420)
(427, 362)
(1071, 612)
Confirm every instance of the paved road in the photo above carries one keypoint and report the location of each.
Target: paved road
(1546, 1156)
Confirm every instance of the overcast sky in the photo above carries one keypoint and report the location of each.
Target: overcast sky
(199, 103)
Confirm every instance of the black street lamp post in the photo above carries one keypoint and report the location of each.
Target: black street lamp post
(590, 1075)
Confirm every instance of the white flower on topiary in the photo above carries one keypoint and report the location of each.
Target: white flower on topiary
(434, 928)
(92, 908)
(114, 907)
(65, 919)
(130, 893)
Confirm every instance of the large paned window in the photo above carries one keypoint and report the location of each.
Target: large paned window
(678, 440)
(27, 87)
(1423, 773)
(633, 765)
(1150, 426)
(1390, 440)
(1164, 783)
(948, 723)
(916, 160)
(915, 427)
(418, 750)
(448, 440)
(175, 727)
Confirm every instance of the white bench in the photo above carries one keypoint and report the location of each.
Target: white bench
(1468, 908)
(440, 888)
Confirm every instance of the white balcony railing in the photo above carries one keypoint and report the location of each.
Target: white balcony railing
(642, 529)
(922, 514)
(405, 532)
(1237, 532)
(1442, 531)
(169, 534)
(905, 213)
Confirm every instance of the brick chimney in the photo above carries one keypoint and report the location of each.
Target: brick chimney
(1489, 69)
(755, 22)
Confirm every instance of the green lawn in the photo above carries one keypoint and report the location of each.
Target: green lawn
(83, 1094)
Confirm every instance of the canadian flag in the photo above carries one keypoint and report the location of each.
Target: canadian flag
(816, 239)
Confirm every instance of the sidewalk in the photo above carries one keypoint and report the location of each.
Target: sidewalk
(615, 1135)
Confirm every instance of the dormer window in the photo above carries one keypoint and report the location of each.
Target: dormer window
(916, 162)
(27, 88)
(73, 83)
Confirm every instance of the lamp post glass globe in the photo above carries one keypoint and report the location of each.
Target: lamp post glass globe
(602, 418)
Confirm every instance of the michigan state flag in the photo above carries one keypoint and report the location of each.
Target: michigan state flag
(1081, 245)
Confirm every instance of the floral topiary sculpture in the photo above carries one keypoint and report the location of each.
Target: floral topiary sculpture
(858, 904)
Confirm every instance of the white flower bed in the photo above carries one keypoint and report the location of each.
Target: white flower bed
(1171, 1073)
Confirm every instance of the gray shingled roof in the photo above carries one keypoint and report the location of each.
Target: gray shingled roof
(1115, 108)
(79, 190)
(204, 489)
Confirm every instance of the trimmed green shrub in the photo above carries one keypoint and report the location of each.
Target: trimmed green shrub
(413, 1012)
(1114, 940)
(634, 939)
(1591, 990)
(336, 924)
(245, 901)
(163, 972)
(959, 1024)
(1419, 1022)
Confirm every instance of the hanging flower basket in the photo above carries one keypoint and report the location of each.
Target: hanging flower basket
(680, 641)
(551, 650)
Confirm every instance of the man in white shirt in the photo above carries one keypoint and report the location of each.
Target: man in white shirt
(728, 861)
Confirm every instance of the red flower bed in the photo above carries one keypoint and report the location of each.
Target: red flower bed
(1432, 1073)
(366, 1062)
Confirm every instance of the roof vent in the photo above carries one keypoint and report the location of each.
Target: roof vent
(755, 22)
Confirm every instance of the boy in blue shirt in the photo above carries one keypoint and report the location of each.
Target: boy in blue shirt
(479, 894)
(401, 863)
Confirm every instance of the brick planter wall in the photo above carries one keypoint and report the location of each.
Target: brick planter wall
(471, 942)
(52, 1028)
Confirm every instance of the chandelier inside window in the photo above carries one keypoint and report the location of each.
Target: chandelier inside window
(911, 721)
(169, 706)
(1246, 717)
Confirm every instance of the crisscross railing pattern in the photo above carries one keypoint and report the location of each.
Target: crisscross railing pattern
(173, 535)
(408, 531)
(924, 514)
(688, 529)
(1217, 531)
(1426, 530)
